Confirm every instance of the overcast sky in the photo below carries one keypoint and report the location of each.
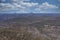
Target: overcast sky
(29, 6)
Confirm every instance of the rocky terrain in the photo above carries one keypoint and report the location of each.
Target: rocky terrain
(30, 27)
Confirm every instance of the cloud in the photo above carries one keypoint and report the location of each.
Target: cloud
(6, 6)
(28, 4)
(25, 4)
(17, 5)
(25, 7)
(45, 6)
(19, 0)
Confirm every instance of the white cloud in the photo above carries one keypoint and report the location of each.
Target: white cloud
(28, 4)
(17, 5)
(16, 0)
(19, 1)
(45, 6)
(6, 5)
(21, 6)
(25, 4)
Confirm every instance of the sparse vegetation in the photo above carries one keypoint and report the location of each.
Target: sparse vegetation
(30, 27)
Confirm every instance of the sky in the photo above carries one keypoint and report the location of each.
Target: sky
(29, 6)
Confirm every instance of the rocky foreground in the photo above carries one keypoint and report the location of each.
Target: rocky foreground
(30, 33)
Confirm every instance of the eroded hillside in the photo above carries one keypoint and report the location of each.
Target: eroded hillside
(30, 27)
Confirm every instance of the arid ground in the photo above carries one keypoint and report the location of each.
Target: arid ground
(29, 26)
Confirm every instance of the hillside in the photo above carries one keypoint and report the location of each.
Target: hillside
(30, 27)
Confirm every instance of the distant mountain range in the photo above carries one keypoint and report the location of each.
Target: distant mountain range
(10, 16)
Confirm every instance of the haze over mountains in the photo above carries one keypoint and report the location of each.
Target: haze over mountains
(30, 26)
